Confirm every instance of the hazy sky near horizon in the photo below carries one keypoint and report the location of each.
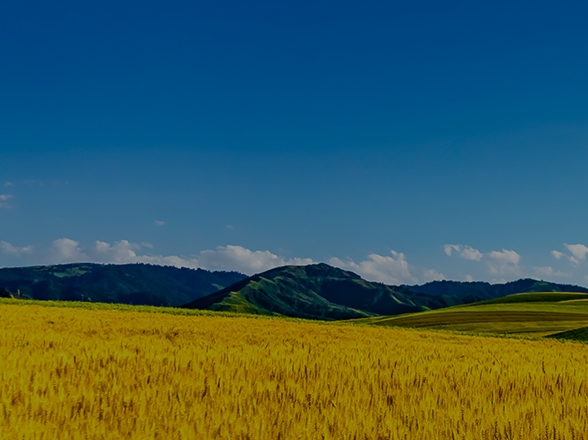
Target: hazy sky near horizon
(406, 141)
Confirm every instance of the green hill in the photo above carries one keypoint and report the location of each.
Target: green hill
(536, 313)
(317, 291)
(127, 284)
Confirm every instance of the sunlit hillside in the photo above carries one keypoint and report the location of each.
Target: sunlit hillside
(525, 314)
(107, 374)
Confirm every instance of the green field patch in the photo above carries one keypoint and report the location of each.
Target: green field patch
(70, 272)
(578, 334)
(580, 307)
(431, 320)
(557, 313)
(536, 297)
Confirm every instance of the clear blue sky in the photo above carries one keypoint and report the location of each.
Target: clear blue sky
(242, 135)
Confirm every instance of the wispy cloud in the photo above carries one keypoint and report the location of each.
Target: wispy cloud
(450, 248)
(9, 249)
(578, 252)
(548, 272)
(500, 264)
(4, 198)
(159, 223)
(8, 184)
(431, 275)
(467, 252)
(392, 269)
(558, 255)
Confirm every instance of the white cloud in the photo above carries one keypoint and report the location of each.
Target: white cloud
(124, 252)
(394, 268)
(449, 248)
(548, 271)
(384, 269)
(467, 252)
(504, 263)
(159, 223)
(9, 249)
(65, 250)
(431, 275)
(557, 254)
(119, 252)
(228, 258)
(505, 256)
(244, 260)
(8, 184)
(578, 252)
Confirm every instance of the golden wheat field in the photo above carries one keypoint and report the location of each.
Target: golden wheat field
(100, 374)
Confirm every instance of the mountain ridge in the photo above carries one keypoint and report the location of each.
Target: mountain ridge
(137, 283)
(481, 290)
(316, 291)
(320, 291)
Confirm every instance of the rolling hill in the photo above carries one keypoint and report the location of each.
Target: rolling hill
(318, 291)
(536, 314)
(127, 283)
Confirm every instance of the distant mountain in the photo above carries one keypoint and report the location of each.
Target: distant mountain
(127, 283)
(478, 291)
(318, 291)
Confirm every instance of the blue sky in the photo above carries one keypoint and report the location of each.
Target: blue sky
(404, 141)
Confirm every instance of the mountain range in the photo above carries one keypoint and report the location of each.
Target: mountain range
(319, 291)
(474, 291)
(316, 291)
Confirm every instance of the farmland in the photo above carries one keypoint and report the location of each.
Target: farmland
(107, 374)
(525, 314)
